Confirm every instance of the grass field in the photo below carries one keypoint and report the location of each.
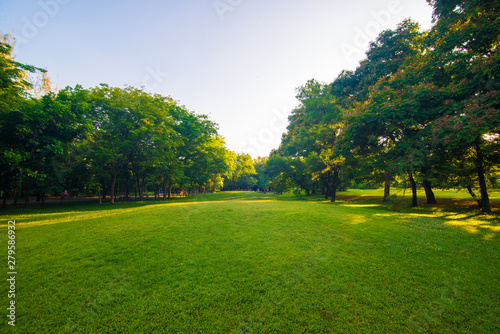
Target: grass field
(253, 263)
(406, 193)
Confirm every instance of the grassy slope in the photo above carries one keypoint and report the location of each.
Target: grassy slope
(251, 263)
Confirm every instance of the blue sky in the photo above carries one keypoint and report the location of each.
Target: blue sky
(239, 61)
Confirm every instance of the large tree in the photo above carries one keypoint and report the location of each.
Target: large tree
(381, 128)
(242, 172)
(13, 102)
(464, 64)
(132, 128)
(311, 139)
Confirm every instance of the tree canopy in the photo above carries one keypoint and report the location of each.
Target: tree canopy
(422, 106)
(421, 110)
(103, 140)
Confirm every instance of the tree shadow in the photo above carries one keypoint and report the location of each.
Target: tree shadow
(470, 220)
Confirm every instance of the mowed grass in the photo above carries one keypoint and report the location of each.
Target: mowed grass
(494, 194)
(253, 263)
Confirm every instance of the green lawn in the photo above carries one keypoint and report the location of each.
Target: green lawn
(253, 263)
(406, 193)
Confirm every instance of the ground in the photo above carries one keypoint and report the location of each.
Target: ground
(254, 263)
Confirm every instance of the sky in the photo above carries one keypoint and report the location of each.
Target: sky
(238, 61)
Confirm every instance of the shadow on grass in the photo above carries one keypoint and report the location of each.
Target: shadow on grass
(79, 209)
(84, 209)
(460, 216)
(470, 220)
(461, 213)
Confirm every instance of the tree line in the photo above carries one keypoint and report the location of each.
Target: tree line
(422, 106)
(104, 141)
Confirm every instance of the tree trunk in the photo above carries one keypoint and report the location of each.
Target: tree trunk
(112, 191)
(116, 171)
(387, 185)
(326, 180)
(141, 187)
(43, 199)
(136, 183)
(429, 194)
(471, 192)
(413, 189)
(485, 200)
(135, 189)
(336, 171)
(166, 189)
(26, 199)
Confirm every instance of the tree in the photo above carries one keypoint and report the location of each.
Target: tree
(464, 63)
(381, 127)
(311, 139)
(132, 128)
(35, 132)
(278, 170)
(13, 103)
(263, 182)
(242, 172)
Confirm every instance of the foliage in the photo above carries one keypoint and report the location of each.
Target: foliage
(104, 140)
(242, 173)
(421, 104)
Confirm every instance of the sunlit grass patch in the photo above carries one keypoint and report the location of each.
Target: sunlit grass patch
(361, 205)
(494, 194)
(475, 226)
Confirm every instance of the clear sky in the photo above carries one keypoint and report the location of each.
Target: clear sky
(239, 61)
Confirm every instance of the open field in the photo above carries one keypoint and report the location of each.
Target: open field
(253, 263)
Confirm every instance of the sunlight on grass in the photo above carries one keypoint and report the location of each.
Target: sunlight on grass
(32, 220)
(457, 216)
(361, 205)
(40, 219)
(494, 194)
(470, 223)
(427, 215)
(489, 236)
(259, 201)
(491, 227)
(474, 226)
(356, 219)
